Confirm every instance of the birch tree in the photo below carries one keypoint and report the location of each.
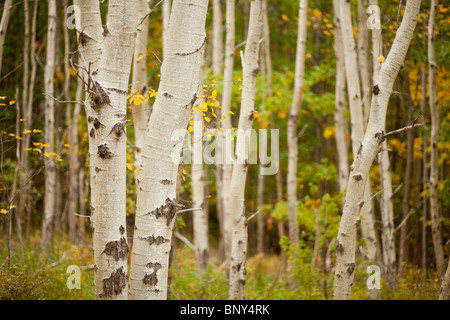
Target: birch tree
(107, 53)
(236, 208)
(3, 27)
(50, 167)
(434, 160)
(292, 124)
(444, 291)
(226, 124)
(157, 207)
(141, 109)
(356, 120)
(382, 90)
(340, 101)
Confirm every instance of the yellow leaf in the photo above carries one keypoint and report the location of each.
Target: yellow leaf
(46, 145)
(138, 170)
(381, 59)
(38, 150)
(27, 131)
(129, 166)
(191, 122)
(67, 145)
(12, 207)
(2, 104)
(207, 119)
(27, 149)
(53, 154)
(18, 138)
(190, 129)
(59, 160)
(37, 143)
(140, 57)
(209, 135)
(12, 102)
(230, 112)
(2, 97)
(36, 130)
(284, 17)
(214, 94)
(4, 211)
(203, 106)
(23, 119)
(328, 132)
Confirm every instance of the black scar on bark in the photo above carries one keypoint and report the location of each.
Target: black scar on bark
(168, 210)
(98, 96)
(92, 133)
(103, 152)
(150, 278)
(114, 285)
(339, 247)
(117, 249)
(376, 89)
(166, 181)
(121, 230)
(155, 240)
(97, 123)
(357, 177)
(350, 267)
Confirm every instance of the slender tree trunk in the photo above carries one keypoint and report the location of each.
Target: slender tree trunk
(25, 200)
(3, 27)
(226, 124)
(424, 174)
(363, 58)
(236, 208)
(433, 182)
(292, 125)
(217, 38)
(376, 45)
(50, 167)
(404, 230)
(139, 83)
(357, 122)
(200, 225)
(156, 208)
(340, 102)
(346, 239)
(261, 222)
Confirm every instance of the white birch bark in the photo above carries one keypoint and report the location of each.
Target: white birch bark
(200, 221)
(376, 41)
(236, 208)
(346, 239)
(50, 167)
(166, 8)
(156, 209)
(356, 120)
(292, 124)
(139, 86)
(217, 37)
(434, 166)
(226, 124)
(340, 102)
(363, 58)
(108, 52)
(3, 27)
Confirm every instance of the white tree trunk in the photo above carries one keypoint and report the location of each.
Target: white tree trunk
(156, 209)
(217, 38)
(227, 167)
(3, 27)
(356, 119)
(200, 221)
(50, 168)
(434, 166)
(166, 8)
(292, 124)
(236, 208)
(140, 111)
(106, 107)
(340, 102)
(346, 239)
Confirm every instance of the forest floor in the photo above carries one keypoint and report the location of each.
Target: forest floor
(32, 277)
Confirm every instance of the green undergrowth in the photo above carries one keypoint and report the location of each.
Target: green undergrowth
(31, 276)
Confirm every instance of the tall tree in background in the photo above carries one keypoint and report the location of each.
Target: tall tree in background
(236, 208)
(434, 161)
(3, 27)
(226, 124)
(292, 124)
(340, 101)
(157, 207)
(106, 54)
(382, 90)
(141, 108)
(50, 167)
